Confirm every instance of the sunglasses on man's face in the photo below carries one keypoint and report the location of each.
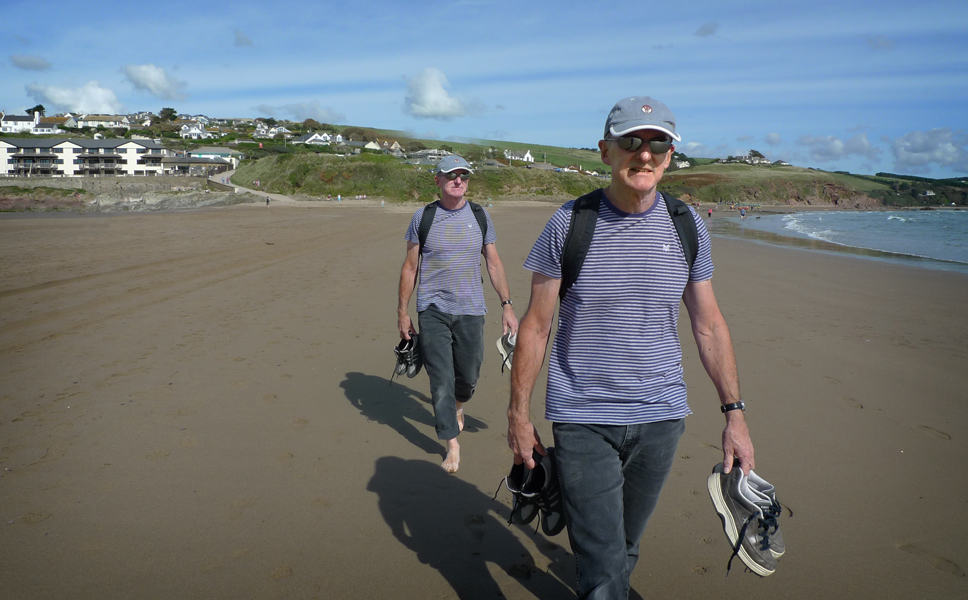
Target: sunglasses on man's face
(454, 175)
(630, 143)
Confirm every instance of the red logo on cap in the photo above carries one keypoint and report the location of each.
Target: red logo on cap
(646, 109)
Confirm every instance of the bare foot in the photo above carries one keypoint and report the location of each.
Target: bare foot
(452, 460)
(460, 416)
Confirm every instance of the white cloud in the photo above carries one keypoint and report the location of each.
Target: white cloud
(920, 149)
(241, 39)
(772, 139)
(30, 63)
(89, 98)
(832, 148)
(707, 30)
(301, 111)
(428, 97)
(744, 138)
(155, 81)
(694, 149)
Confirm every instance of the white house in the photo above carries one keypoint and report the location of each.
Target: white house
(60, 157)
(194, 130)
(18, 124)
(45, 128)
(279, 129)
(227, 154)
(519, 155)
(108, 121)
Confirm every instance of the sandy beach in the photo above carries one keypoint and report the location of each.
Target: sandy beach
(197, 405)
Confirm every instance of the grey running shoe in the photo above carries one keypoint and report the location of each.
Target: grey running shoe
(766, 499)
(505, 346)
(762, 493)
(400, 350)
(747, 527)
(414, 360)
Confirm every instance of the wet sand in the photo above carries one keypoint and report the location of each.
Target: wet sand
(196, 405)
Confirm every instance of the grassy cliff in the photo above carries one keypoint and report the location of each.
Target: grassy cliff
(319, 171)
(386, 177)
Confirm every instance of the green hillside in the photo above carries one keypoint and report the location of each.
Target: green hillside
(309, 174)
(319, 171)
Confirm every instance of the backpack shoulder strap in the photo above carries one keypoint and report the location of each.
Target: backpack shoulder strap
(426, 220)
(685, 227)
(481, 218)
(584, 216)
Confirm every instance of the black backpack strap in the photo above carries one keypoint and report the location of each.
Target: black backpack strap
(685, 227)
(426, 220)
(584, 216)
(481, 219)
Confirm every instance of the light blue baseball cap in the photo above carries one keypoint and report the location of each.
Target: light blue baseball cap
(452, 162)
(640, 112)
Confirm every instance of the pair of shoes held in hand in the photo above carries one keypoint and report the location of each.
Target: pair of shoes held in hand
(536, 491)
(505, 346)
(747, 506)
(408, 357)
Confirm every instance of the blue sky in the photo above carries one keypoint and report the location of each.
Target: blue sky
(857, 86)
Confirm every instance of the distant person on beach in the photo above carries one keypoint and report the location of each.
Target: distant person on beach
(616, 395)
(267, 201)
(450, 297)
(742, 213)
(710, 213)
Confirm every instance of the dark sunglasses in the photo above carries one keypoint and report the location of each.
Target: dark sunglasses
(454, 175)
(630, 143)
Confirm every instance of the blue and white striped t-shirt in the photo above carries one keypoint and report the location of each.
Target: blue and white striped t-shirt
(616, 359)
(450, 272)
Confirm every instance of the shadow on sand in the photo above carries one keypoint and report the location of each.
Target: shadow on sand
(399, 407)
(448, 524)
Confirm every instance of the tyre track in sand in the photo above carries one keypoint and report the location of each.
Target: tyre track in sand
(38, 312)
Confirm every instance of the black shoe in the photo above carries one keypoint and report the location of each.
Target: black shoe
(549, 497)
(408, 357)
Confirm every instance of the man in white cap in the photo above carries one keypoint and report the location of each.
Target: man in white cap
(450, 296)
(616, 394)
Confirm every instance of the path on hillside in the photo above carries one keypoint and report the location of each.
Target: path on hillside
(282, 199)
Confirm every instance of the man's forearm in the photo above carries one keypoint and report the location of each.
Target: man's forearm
(718, 358)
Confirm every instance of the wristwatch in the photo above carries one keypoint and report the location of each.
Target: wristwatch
(506, 302)
(734, 406)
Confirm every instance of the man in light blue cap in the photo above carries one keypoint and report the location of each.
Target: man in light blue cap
(445, 242)
(615, 394)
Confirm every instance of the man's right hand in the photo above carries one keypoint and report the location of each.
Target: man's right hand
(405, 326)
(523, 440)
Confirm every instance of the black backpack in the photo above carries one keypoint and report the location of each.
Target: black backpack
(584, 215)
(427, 219)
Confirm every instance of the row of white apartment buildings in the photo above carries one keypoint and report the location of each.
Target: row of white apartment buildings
(81, 157)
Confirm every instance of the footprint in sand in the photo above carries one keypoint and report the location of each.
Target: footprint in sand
(853, 403)
(933, 432)
(475, 524)
(281, 573)
(941, 564)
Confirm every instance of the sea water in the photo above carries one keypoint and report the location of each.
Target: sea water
(936, 239)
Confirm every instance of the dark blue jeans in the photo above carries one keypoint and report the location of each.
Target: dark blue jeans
(452, 348)
(610, 479)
